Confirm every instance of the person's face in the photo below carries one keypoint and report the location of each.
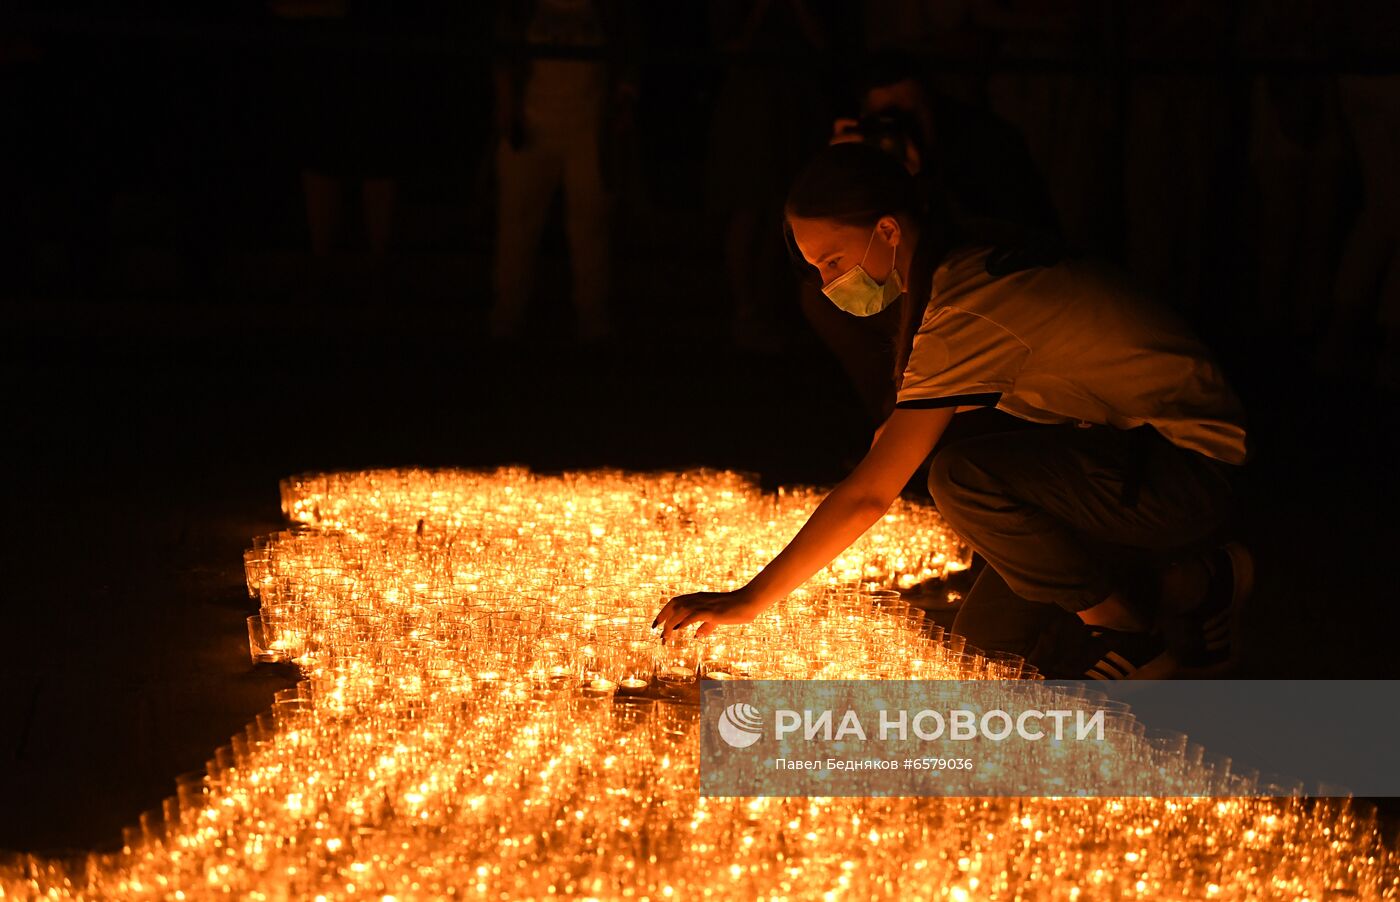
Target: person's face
(834, 247)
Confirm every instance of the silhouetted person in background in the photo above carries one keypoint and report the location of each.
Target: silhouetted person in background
(1172, 143)
(767, 115)
(1300, 163)
(550, 116)
(350, 128)
(1069, 119)
(967, 160)
(1362, 343)
(944, 30)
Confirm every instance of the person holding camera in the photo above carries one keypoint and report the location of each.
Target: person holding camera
(1105, 523)
(975, 161)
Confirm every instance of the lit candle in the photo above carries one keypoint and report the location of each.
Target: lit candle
(419, 643)
(677, 675)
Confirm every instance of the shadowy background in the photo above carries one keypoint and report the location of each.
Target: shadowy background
(239, 241)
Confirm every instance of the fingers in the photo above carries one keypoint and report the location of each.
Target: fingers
(682, 611)
(665, 611)
(709, 609)
(671, 614)
(693, 617)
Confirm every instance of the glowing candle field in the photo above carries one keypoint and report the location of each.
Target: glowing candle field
(484, 715)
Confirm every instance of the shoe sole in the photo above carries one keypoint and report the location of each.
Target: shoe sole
(1242, 568)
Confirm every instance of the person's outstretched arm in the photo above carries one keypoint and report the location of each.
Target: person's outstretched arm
(854, 506)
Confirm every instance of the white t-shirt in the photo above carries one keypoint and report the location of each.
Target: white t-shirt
(1072, 342)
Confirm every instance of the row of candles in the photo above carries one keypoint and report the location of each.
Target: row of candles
(485, 712)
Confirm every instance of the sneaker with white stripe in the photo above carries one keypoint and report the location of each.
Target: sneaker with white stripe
(1130, 656)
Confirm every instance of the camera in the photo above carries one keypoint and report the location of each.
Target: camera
(890, 131)
(893, 131)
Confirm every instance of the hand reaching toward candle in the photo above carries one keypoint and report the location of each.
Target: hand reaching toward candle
(709, 609)
(843, 516)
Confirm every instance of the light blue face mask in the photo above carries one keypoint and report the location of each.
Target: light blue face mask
(855, 292)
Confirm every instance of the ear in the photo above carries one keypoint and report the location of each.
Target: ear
(888, 229)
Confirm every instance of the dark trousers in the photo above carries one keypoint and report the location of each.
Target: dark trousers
(1065, 516)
